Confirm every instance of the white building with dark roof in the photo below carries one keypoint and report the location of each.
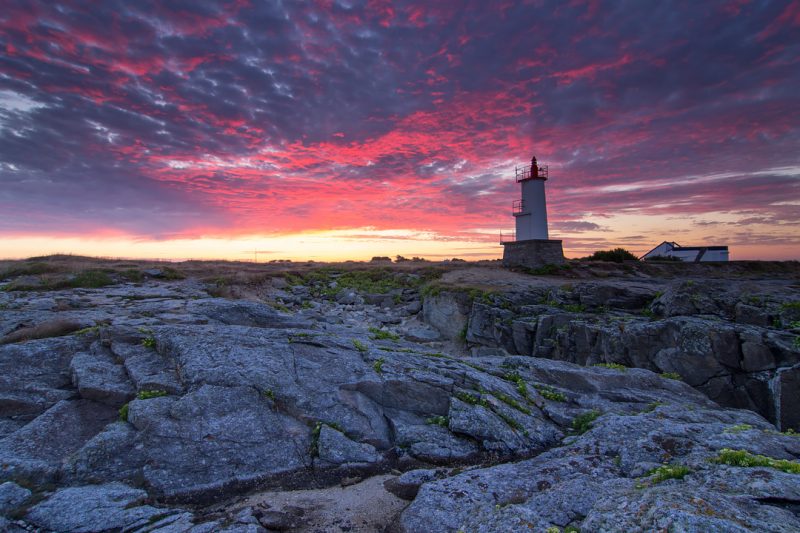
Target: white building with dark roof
(690, 254)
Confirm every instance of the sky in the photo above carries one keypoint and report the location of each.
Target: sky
(348, 129)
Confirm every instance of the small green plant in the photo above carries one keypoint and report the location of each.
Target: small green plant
(360, 346)
(574, 308)
(511, 402)
(512, 423)
(381, 334)
(463, 333)
(438, 421)
(553, 529)
(738, 428)
(88, 331)
(313, 447)
(300, 337)
(613, 366)
(652, 406)
(147, 394)
(149, 342)
(269, 394)
(665, 472)
(745, 459)
(549, 393)
(123, 413)
(279, 307)
(671, 375)
(378, 365)
(583, 423)
(472, 399)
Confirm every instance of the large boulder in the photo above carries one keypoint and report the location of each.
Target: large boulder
(447, 312)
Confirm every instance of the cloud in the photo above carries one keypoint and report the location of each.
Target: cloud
(235, 118)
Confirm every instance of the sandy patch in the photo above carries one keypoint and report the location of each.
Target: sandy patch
(365, 507)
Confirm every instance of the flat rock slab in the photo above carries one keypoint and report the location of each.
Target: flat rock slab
(243, 313)
(148, 369)
(213, 438)
(97, 377)
(112, 506)
(37, 450)
(35, 375)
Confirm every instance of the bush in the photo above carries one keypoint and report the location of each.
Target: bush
(617, 255)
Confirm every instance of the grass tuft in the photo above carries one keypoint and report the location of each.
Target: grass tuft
(583, 423)
(613, 366)
(382, 334)
(745, 459)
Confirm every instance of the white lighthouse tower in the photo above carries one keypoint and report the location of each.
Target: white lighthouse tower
(531, 210)
(532, 246)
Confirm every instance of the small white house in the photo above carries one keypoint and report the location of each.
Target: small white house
(690, 254)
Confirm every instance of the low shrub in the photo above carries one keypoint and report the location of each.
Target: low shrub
(583, 423)
(617, 255)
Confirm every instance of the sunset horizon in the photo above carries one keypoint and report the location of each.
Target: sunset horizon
(335, 130)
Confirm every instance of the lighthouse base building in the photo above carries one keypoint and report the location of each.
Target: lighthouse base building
(533, 253)
(532, 248)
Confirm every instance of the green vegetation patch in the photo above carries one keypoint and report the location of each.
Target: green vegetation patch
(738, 428)
(671, 375)
(745, 459)
(472, 399)
(438, 421)
(617, 255)
(378, 365)
(149, 342)
(360, 346)
(35, 268)
(511, 402)
(313, 447)
(583, 423)
(549, 393)
(148, 394)
(382, 334)
(613, 366)
(90, 279)
(665, 472)
(123, 413)
(329, 281)
(652, 406)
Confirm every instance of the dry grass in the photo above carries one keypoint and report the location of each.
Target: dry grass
(53, 328)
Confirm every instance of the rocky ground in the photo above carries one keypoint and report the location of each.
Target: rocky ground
(409, 397)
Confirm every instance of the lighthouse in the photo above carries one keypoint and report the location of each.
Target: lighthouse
(530, 211)
(532, 246)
